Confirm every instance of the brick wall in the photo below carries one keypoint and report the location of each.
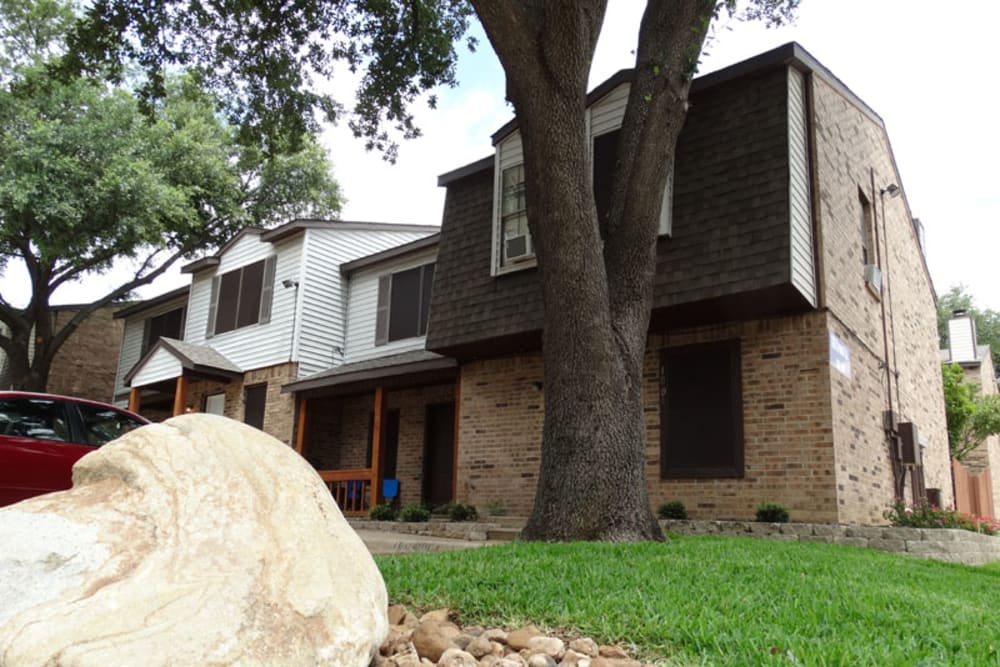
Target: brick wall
(85, 365)
(852, 155)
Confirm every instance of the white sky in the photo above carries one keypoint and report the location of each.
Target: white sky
(930, 71)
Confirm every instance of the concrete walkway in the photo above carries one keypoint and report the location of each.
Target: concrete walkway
(387, 542)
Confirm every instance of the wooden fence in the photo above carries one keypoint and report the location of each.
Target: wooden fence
(973, 491)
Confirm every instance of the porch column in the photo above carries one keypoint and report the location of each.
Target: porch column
(134, 400)
(300, 434)
(379, 419)
(180, 395)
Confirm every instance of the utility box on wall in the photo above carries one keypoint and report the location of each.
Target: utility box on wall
(909, 444)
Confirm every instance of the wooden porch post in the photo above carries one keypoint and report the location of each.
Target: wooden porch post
(454, 447)
(300, 434)
(180, 395)
(379, 420)
(134, 399)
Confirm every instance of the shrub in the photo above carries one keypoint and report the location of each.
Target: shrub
(673, 510)
(925, 515)
(772, 513)
(460, 512)
(495, 508)
(382, 512)
(414, 514)
(443, 510)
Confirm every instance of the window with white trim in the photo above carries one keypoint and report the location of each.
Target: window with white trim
(241, 297)
(404, 304)
(515, 239)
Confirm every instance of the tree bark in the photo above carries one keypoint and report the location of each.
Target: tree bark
(597, 290)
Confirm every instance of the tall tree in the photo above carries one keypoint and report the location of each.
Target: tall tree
(987, 320)
(87, 181)
(597, 279)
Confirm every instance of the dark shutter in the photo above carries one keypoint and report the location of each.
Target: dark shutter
(701, 414)
(254, 400)
(425, 297)
(404, 304)
(267, 291)
(228, 304)
(251, 286)
(213, 306)
(382, 310)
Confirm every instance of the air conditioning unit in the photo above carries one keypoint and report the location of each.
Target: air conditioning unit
(873, 276)
(517, 248)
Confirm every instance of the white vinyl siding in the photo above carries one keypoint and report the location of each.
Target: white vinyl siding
(163, 365)
(132, 339)
(257, 345)
(803, 269)
(321, 342)
(362, 309)
(606, 114)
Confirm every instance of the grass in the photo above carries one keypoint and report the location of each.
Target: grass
(722, 601)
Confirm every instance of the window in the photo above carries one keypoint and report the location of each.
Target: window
(404, 302)
(39, 418)
(101, 425)
(169, 324)
(215, 404)
(515, 239)
(701, 411)
(242, 297)
(254, 400)
(868, 252)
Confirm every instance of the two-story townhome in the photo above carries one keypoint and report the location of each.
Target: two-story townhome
(977, 484)
(388, 412)
(792, 352)
(268, 308)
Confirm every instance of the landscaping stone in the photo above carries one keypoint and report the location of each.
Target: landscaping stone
(585, 646)
(433, 637)
(196, 541)
(519, 639)
(550, 646)
(540, 660)
(454, 657)
(613, 652)
(479, 647)
(496, 634)
(574, 659)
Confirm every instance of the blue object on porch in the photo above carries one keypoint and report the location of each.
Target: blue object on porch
(354, 489)
(390, 489)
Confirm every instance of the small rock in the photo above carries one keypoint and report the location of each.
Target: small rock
(518, 639)
(455, 657)
(574, 659)
(550, 646)
(439, 615)
(511, 660)
(408, 660)
(496, 635)
(498, 649)
(585, 646)
(541, 660)
(488, 660)
(479, 647)
(462, 641)
(474, 630)
(426, 663)
(613, 652)
(396, 642)
(432, 638)
(410, 621)
(396, 614)
(614, 662)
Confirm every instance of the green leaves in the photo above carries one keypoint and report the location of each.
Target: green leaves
(971, 417)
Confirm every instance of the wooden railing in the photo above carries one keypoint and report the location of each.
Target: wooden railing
(351, 489)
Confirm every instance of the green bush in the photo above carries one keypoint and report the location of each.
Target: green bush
(925, 515)
(382, 512)
(414, 514)
(442, 510)
(495, 508)
(460, 512)
(673, 510)
(772, 513)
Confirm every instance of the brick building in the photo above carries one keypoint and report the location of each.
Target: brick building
(792, 353)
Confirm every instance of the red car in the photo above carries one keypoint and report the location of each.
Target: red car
(42, 436)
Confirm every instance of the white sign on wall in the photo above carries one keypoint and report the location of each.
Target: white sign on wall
(840, 355)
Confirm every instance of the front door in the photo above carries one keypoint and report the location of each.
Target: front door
(439, 454)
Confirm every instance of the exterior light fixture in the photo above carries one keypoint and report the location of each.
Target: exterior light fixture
(289, 283)
(892, 190)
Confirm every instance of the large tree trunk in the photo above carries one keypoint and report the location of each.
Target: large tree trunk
(597, 289)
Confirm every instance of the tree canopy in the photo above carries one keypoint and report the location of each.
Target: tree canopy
(596, 275)
(86, 181)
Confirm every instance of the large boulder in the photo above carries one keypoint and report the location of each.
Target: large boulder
(198, 541)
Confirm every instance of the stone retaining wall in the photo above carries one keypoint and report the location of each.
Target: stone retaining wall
(946, 544)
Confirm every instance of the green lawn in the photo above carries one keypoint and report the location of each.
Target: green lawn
(722, 601)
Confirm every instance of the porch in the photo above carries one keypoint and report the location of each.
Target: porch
(381, 425)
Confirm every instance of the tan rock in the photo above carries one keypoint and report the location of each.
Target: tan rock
(498, 649)
(550, 646)
(575, 659)
(584, 645)
(455, 657)
(600, 661)
(432, 638)
(488, 660)
(196, 541)
(396, 613)
(614, 652)
(511, 660)
(397, 641)
(496, 634)
(518, 639)
(541, 660)
(439, 615)
(479, 647)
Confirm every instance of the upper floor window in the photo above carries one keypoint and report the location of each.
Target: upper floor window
(169, 324)
(242, 297)
(868, 253)
(514, 235)
(404, 304)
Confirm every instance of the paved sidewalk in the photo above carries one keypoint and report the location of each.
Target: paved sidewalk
(386, 542)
